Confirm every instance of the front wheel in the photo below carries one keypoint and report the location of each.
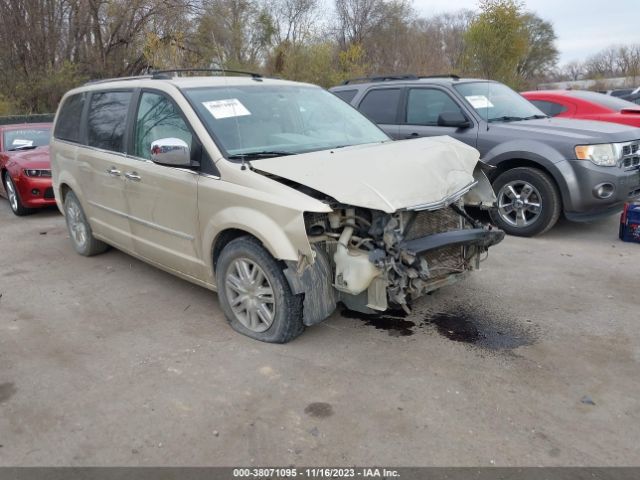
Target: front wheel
(14, 197)
(528, 202)
(254, 293)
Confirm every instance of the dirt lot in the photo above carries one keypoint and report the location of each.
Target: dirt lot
(534, 360)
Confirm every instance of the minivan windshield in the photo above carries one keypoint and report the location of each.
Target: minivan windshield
(261, 121)
(496, 102)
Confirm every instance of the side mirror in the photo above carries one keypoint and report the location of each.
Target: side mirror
(172, 152)
(453, 119)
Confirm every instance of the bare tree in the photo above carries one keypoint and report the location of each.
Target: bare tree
(357, 19)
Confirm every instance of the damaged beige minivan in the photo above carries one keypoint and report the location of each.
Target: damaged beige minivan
(277, 195)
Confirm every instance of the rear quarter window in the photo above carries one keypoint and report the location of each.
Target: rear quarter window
(68, 123)
(346, 95)
(381, 105)
(550, 108)
(107, 120)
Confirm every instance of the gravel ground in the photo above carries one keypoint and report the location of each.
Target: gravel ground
(533, 360)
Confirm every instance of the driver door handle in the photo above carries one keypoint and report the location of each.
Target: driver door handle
(413, 135)
(114, 172)
(133, 176)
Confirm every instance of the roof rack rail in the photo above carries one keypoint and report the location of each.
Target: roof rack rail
(381, 78)
(163, 74)
(116, 79)
(442, 75)
(404, 76)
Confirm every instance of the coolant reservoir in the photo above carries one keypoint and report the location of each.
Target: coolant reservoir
(354, 271)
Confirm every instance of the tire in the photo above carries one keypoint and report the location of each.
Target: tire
(14, 197)
(275, 314)
(528, 190)
(79, 229)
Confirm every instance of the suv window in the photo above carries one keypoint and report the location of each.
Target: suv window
(381, 105)
(346, 95)
(158, 118)
(107, 120)
(68, 124)
(424, 106)
(550, 108)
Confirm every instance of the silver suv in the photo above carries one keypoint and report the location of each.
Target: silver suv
(277, 195)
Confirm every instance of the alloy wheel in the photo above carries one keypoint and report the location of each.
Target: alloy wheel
(11, 192)
(519, 203)
(77, 227)
(250, 295)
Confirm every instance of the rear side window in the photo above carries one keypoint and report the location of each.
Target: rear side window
(107, 120)
(346, 95)
(550, 108)
(381, 105)
(68, 124)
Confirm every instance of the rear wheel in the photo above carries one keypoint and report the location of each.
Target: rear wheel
(79, 229)
(528, 202)
(14, 197)
(255, 295)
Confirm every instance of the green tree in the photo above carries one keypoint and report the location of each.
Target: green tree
(541, 54)
(496, 41)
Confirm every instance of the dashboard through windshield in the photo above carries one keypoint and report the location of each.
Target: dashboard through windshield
(261, 121)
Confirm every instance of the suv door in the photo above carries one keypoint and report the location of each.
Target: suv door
(422, 109)
(382, 106)
(163, 200)
(101, 166)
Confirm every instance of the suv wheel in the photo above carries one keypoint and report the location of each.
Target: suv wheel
(14, 197)
(79, 229)
(255, 295)
(528, 202)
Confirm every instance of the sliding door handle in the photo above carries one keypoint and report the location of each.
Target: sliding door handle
(133, 176)
(114, 172)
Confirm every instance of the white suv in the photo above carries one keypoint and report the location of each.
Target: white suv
(276, 194)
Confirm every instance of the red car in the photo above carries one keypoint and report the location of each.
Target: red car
(585, 105)
(25, 169)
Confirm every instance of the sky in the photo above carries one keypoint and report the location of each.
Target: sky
(583, 27)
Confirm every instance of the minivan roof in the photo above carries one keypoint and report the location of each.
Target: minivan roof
(182, 82)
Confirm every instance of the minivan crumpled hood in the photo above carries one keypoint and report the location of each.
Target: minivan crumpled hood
(384, 176)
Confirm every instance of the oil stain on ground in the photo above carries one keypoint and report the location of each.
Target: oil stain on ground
(481, 330)
(7, 390)
(393, 321)
(319, 410)
(467, 324)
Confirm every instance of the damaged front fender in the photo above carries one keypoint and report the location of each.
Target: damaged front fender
(482, 195)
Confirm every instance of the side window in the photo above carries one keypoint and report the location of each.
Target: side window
(346, 95)
(424, 106)
(381, 105)
(158, 118)
(68, 124)
(550, 108)
(107, 120)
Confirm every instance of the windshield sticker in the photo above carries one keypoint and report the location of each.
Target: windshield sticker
(22, 143)
(230, 107)
(479, 101)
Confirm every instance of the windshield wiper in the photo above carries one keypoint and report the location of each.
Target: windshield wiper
(258, 155)
(23, 147)
(505, 118)
(534, 117)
